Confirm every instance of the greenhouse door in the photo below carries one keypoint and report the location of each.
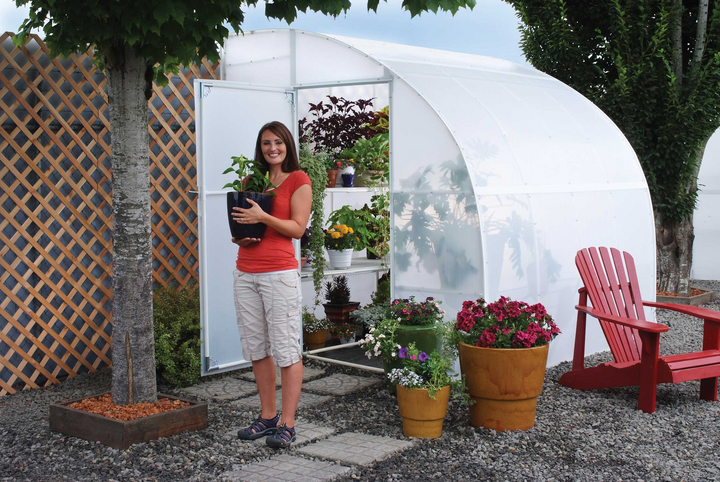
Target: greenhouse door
(228, 117)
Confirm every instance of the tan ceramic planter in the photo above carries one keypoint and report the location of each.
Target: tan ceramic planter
(315, 339)
(421, 415)
(504, 383)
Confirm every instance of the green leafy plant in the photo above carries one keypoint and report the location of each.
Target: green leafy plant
(369, 316)
(337, 291)
(381, 296)
(432, 372)
(380, 124)
(176, 322)
(312, 323)
(251, 177)
(417, 313)
(370, 154)
(355, 219)
(314, 166)
(378, 224)
(340, 237)
(380, 342)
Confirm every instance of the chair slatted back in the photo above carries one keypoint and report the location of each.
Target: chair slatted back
(612, 286)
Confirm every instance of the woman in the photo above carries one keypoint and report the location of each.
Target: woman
(267, 286)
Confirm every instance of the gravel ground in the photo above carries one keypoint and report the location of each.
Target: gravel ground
(579, 435)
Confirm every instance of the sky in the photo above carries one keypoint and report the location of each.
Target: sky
(490, 29)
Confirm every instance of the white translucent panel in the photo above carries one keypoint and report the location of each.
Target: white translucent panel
(228, 120)
(706, 220)
(260, 58)
(322, 60)
(437, 248)
(424, 154)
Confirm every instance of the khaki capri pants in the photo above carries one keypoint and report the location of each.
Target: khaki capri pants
(268, 315)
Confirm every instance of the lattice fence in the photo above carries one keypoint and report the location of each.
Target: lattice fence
(56, 215)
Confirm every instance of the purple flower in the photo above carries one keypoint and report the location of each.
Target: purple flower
(423, 357)
(402, 353)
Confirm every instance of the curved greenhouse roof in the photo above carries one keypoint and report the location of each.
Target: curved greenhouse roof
(499, 173)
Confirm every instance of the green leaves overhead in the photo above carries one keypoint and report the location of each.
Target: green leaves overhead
(170, 32)
(622, 55)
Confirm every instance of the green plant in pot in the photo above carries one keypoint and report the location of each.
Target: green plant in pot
(371, 160)
(315, 330)
(338, 306)
(252, 183)
(409, 321)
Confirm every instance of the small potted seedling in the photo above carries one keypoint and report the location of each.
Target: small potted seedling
(251, 183)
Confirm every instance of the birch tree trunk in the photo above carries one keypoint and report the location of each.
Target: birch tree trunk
(133, 355)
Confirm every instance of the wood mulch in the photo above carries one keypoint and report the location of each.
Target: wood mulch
(103, 405)
(693, 292)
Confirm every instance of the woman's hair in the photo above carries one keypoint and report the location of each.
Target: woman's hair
(290, 163)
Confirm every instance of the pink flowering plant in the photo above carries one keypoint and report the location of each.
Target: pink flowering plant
(380, 342)
(503, 324)
(429, 371)
(419, 313)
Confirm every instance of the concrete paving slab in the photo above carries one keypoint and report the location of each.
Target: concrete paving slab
(355, 448)
(306, 400)
(340, 384)
(308, 373)
(306, 432)
(220, 389)
(286, 467)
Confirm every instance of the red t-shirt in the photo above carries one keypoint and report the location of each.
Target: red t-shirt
(275, 252)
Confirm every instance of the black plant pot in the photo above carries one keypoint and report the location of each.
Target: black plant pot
(239, 200)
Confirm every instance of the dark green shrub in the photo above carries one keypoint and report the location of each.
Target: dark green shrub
(176, 319)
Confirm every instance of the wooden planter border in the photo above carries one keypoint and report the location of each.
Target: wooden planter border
(121, 435)
(696, 300)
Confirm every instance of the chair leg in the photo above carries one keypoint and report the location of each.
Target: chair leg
(711, 341)
(648, 371)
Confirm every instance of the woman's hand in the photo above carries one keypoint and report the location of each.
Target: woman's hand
(245, 242)
(253, 215)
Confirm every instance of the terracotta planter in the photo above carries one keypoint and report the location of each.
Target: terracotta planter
(332, 177)
(340, 314)
(303, 262)
(504, 383)
(422, 416)
(315, 339)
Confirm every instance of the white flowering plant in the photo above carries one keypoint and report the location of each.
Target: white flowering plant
(429, 371)
(380, 342)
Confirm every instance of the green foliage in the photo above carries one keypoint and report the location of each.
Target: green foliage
(169, 33)
(432, 372)
(370, 154)
(176, 321)
(380, 123)
(337, 291)
(621, 55)
(381, 296)
(314, 166)
(251, 177)
(312, 323)
(370, 316)
(370, 224)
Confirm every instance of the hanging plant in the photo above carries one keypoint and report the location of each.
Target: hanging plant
(314, 166)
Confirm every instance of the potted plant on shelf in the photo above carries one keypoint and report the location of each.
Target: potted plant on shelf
(371, 160)
(252, 183)
(333, 168)
(346, 332)
(503, 348)
(340, 241)
(424, 385)
(347, 172)
(338, 306)
(315, 330)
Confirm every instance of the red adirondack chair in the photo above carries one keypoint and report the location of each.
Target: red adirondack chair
(634, 342)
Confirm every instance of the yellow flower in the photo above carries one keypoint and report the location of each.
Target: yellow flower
(343, 229)
(337, 226)
(350, 230)
(335, 235)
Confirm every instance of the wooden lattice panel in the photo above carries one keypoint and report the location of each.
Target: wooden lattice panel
(56, 213)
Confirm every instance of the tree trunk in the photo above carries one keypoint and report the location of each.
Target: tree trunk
(674, 254)
(133, 355)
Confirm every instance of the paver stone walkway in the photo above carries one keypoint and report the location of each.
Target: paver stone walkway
(286, 467)
(308, 373)
(340, 384)
(355, 448)
(306, 400)
(221, 389)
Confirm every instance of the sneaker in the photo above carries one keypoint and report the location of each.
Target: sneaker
(283, 437)
(259, 428)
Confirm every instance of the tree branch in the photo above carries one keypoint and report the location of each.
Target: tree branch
(677, 10)
(700, 34)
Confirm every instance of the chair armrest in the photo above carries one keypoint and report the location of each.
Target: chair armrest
(704, 313)
(621, 320)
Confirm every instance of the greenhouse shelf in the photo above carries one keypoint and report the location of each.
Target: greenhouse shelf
(359, 265)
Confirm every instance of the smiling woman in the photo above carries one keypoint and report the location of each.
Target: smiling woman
(267, 285)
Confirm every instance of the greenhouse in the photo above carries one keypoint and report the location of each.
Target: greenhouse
(498, 173)
(706, 220)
